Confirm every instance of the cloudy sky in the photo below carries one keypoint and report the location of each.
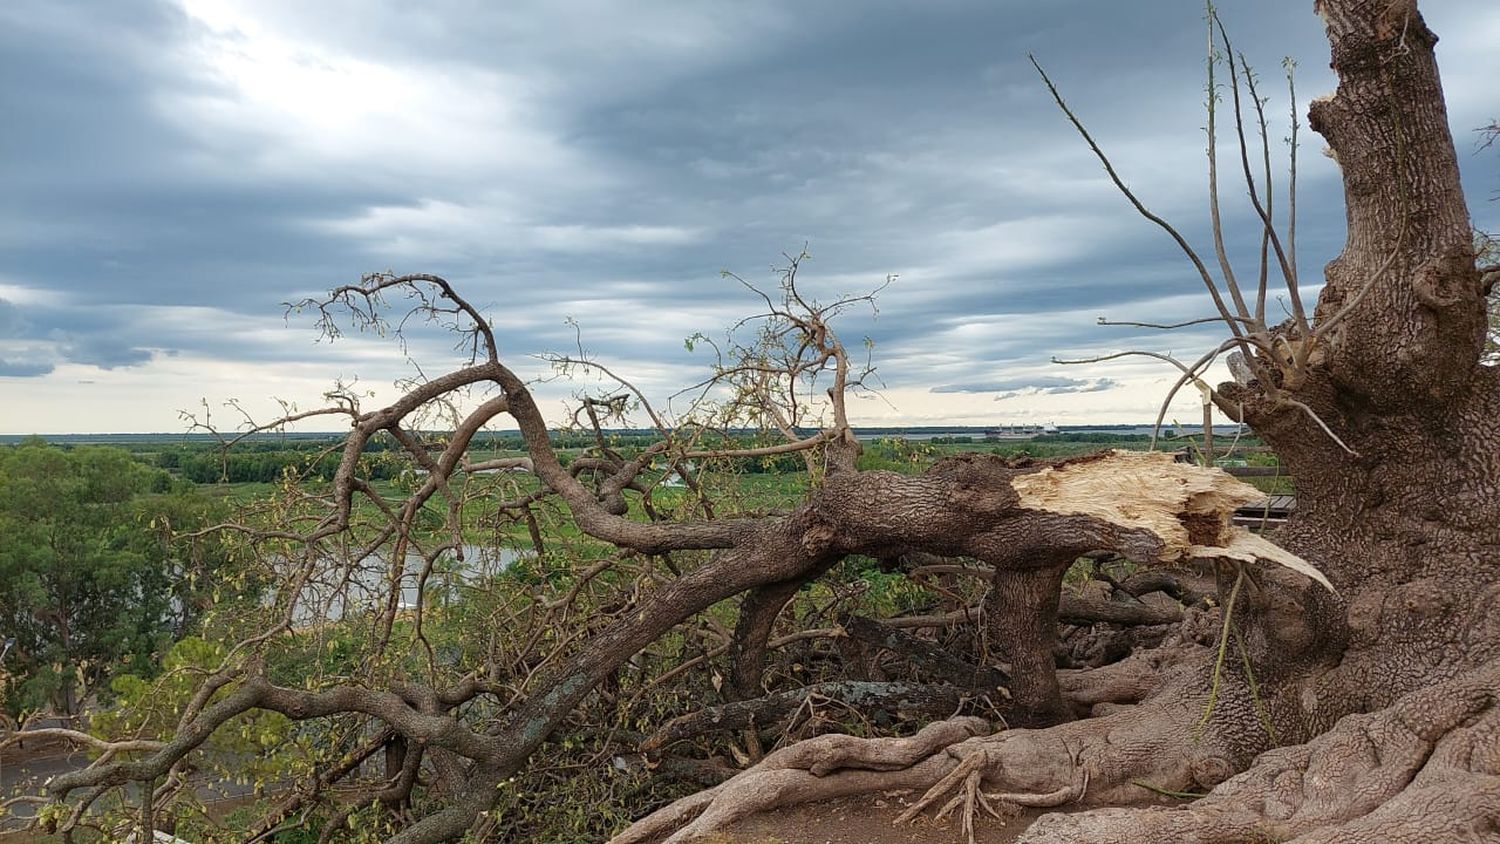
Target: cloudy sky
(171, 172)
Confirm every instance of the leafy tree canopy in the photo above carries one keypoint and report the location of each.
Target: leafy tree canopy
(90, 581)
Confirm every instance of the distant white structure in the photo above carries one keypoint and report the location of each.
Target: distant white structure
(1019, 432)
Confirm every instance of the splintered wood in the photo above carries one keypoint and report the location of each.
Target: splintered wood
(1189, 507)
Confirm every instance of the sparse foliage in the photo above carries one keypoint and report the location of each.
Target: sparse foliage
(629, 614)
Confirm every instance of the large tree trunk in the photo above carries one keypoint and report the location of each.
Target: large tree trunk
(1384, 698)
(1407, 528)
(1366, 711)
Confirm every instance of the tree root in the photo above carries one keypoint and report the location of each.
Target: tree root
(1097, 760)
(968, 778)
(1128, 681)
(1426, 769)
(817, 769)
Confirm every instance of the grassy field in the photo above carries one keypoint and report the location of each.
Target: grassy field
(753, 491)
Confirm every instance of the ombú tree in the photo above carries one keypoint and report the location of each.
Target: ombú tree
(1365, 714)
(1365, 711)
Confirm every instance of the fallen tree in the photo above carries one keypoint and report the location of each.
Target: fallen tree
(1349, 666)
(1369, 713)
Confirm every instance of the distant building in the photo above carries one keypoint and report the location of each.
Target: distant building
(1019, 432)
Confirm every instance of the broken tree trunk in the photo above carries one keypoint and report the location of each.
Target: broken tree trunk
(1377, 699)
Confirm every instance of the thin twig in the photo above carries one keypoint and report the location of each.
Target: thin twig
(1216, 222)
(1249, 321)
(1192, 255)
(1298, 312)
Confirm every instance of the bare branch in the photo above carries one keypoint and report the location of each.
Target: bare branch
(1170, 326)
(1192, 255)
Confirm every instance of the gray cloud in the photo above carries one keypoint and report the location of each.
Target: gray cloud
(1096, 385)
(1008, 384)
(41, 336)
(24, 369)
(102, 350)
(1040, 385)
(25, 360)
(171, 179)
(12, 323)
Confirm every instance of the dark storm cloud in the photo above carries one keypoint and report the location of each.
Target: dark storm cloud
(172, 176)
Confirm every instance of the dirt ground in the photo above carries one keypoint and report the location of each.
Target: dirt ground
(866, 821)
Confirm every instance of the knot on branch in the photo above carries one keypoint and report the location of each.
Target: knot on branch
(817, 538)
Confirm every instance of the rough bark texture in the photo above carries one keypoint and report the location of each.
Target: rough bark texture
(1020, 614)
(1356, 707)
(1365, 715)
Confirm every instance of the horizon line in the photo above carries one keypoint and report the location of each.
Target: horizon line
(341, 432)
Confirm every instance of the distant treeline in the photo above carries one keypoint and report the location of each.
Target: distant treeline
(209, 466)
(1092, 437)
(266, 460)
(1078, 437)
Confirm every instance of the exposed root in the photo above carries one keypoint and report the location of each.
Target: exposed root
(1073, 793)
(971, 765)
(968, 778)
(968, 797)
(963, 770)
(1140, 675)
(817, 769)
(1145, 708)
(1426, 769)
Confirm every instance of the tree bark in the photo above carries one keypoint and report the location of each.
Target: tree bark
(1377, 702)
(1020, 614)
(1376, 699)
(1406, 528)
